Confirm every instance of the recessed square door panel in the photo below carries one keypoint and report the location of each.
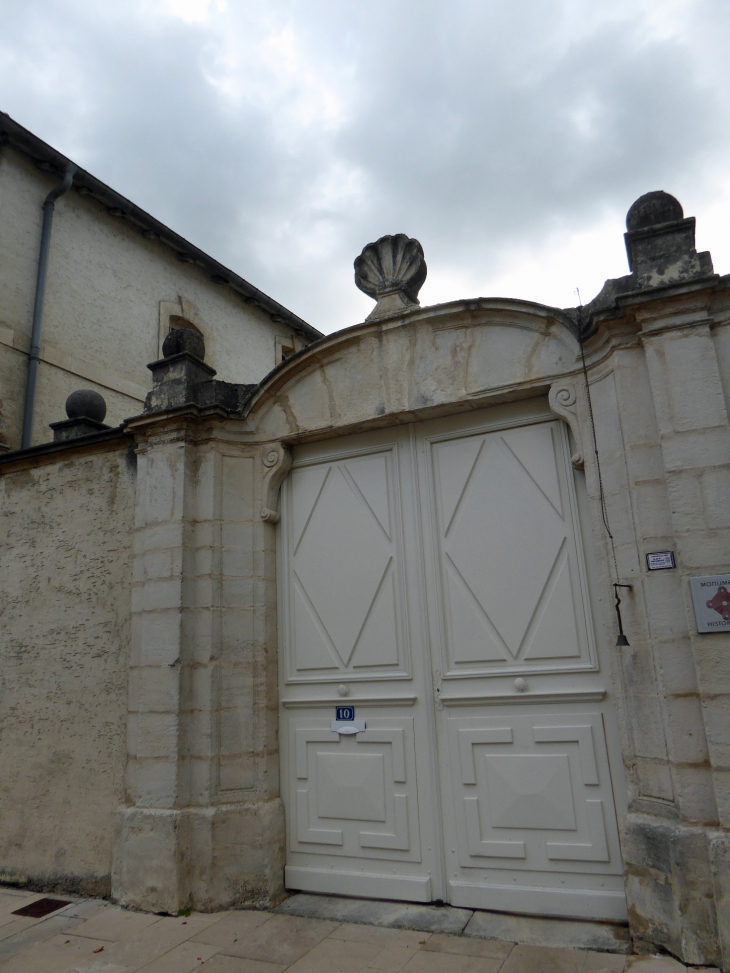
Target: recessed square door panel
(344, 573)
(355, 795)
(533, 792)
(509, 569)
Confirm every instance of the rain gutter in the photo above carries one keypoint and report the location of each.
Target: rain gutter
(40, 293)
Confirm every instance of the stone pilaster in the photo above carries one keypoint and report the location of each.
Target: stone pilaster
(695, 438)
(695, 441)
(204, 826)
(665, 448)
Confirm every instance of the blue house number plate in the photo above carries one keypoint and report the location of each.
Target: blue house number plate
(346, 723)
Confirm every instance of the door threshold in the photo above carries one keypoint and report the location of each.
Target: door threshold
(606, 937)
(377, 912)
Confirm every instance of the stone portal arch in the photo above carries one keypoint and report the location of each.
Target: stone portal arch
(426, 362)
(478, 385)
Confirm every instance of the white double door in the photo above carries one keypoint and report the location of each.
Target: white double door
(432, 577)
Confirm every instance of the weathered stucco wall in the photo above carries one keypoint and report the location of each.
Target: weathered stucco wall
(65, 560)
(102, 308)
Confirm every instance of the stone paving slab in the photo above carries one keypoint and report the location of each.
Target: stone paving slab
(92, 936)
(14, 941)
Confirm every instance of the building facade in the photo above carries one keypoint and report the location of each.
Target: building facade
(436, 611)
(116, 281)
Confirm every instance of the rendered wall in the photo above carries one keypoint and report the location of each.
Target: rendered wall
(102, 307)
(66, 562)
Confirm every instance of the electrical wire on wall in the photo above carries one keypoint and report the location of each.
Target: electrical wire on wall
(621, 639)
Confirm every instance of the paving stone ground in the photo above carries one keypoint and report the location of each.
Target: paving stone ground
(92, 936)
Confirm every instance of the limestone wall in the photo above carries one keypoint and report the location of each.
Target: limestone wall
(452, 357)
(203, 824)
(101, 324)
(65, 560)
(721, 336)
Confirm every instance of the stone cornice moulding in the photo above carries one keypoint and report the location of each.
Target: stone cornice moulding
(277, 460)
(186, 418)
(618, 335)
(158, 429)
(563, 401)
(13, 460)
(662, 303)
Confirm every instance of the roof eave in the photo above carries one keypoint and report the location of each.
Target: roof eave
(28, 143)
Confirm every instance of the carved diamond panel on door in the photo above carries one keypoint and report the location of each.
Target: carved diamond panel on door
(534, 789)
(345, 603)
(355, 794)
(510, 571)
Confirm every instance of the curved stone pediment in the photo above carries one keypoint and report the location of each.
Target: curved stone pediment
(441, 358)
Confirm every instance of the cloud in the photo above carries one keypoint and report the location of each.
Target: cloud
(283, 138)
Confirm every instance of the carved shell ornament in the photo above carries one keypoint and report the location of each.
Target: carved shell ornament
(392, 271)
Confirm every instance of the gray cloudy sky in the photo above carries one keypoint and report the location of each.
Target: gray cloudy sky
(509, 136)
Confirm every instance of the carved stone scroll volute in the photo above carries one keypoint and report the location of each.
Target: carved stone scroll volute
(277, 460)
(563, 402)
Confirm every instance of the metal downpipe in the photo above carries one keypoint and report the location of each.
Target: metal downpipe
(40, 290)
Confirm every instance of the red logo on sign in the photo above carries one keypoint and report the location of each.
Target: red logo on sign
(721, 603)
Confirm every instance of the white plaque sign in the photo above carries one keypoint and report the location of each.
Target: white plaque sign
(711, 597)
(348, 728)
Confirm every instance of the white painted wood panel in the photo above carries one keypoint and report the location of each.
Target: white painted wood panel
(344, 567)
(356, 795)
(446, 554)
(532, 793)
(509, 571)
(527, 794)
(361, 808)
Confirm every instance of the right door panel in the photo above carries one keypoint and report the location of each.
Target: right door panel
(529, 817)
(533, 813)
(507, 560)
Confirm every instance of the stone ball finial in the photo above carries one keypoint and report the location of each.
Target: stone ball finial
(184, 339)
(86, 404)
(392, 271)
(651, 209)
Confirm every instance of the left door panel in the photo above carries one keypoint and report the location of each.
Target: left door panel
(349, 620)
